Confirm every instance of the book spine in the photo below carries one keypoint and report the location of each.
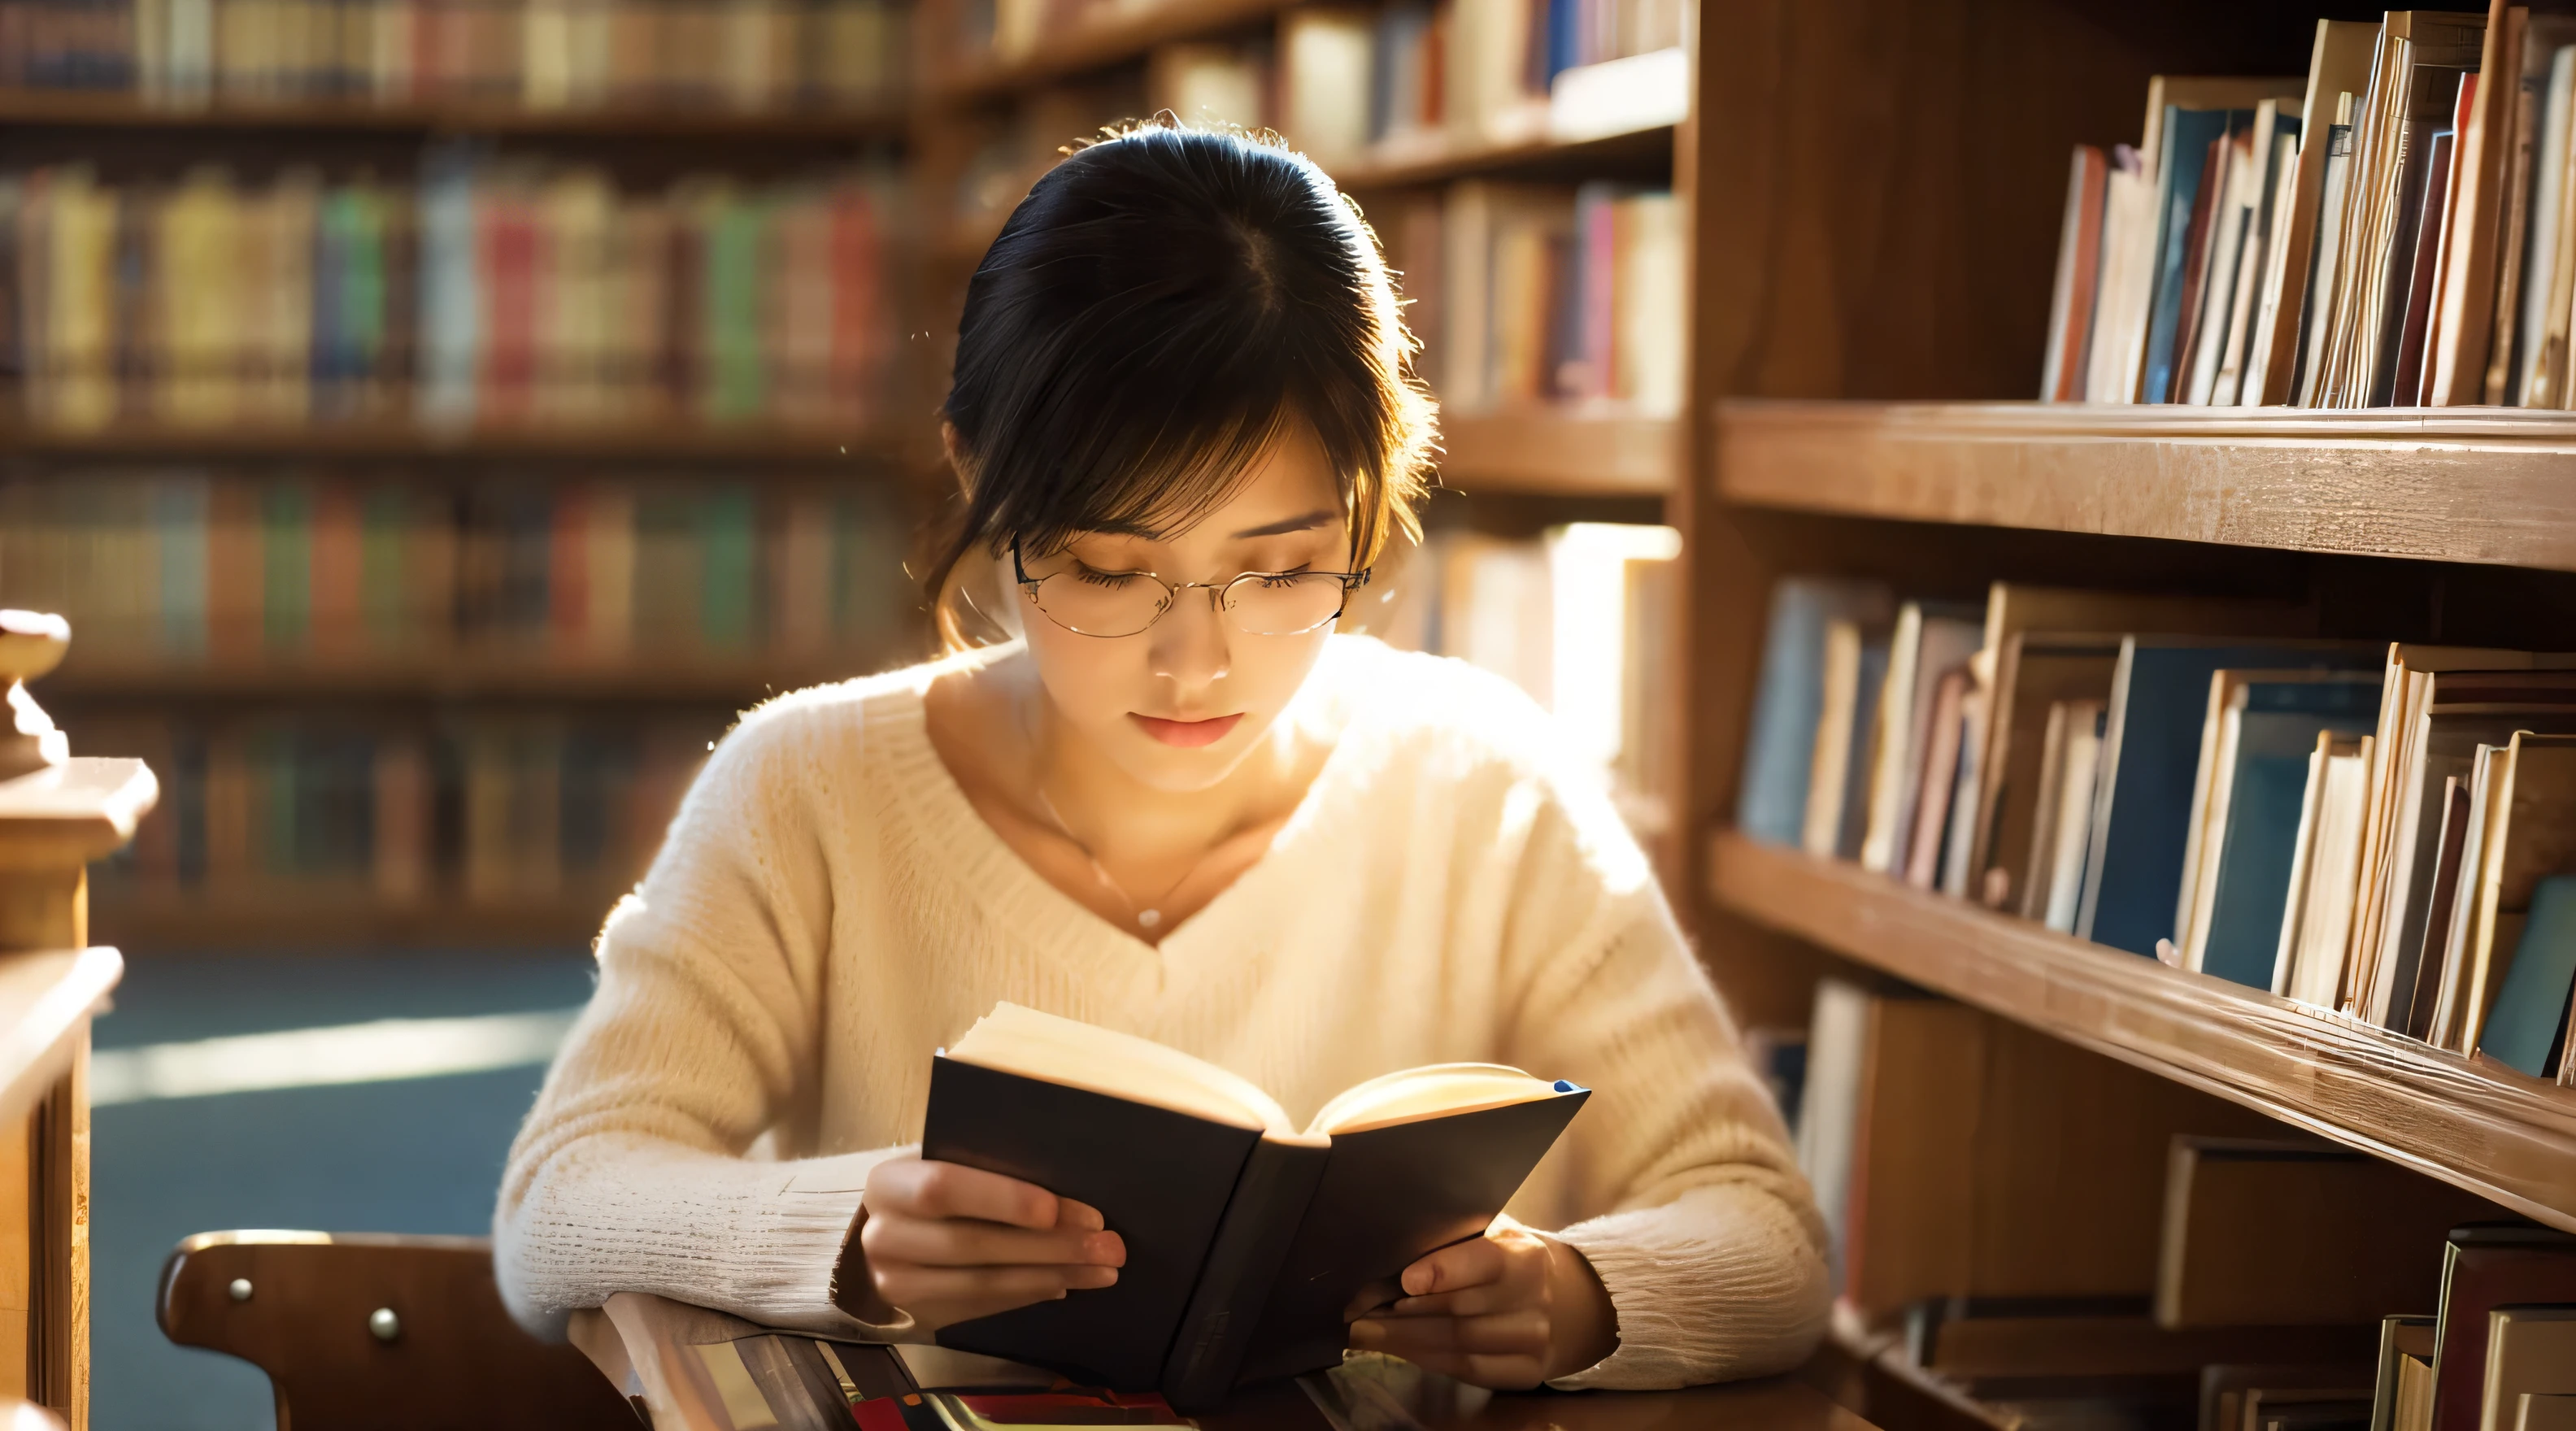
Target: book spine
(1252, 1241)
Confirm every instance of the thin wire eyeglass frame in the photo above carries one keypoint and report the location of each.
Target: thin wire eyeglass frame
(1351, 581)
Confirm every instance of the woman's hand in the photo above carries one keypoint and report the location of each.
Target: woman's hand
(948, 1243)
(1509, 1310)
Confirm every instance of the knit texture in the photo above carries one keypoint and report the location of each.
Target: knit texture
(828, 909)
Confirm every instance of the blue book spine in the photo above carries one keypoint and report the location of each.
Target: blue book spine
(2529, 1021)
(2150, 758)
(2187, 137)
(450, 307)
(1788, 701)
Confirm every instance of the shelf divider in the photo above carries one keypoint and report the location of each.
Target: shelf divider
(2469, 1122)
(2484, 485)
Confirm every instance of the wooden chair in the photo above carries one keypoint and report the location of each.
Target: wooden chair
(374, 1332)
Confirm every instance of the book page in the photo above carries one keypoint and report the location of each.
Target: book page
(1014, 1039)
(1429, 1092)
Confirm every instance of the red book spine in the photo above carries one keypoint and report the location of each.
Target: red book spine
(858, 327)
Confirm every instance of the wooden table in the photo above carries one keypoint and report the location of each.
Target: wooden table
(639, 1342)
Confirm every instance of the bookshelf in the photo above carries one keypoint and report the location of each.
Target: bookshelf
(2488, 1129)
(1563, 452)
(35, 110)
(610, 414)
(1100, 37)
(2477, 485)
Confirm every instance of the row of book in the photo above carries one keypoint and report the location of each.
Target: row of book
(490, 809)
(1532, 293)
(2179, 1262)
(2390, 230)
(168, 570)
(1411, 80)
(487, 292)
(543, 54)
(2386, 831)
(1581, 617)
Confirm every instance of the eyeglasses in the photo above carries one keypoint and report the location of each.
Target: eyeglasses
(1123, 603)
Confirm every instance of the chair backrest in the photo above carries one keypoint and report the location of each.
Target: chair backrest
(370, 1332)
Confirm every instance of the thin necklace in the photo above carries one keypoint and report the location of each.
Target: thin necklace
(1146, 917)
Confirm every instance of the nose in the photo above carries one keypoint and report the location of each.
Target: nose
(1192, 643)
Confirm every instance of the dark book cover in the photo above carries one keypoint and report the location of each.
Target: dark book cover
(1246, 1257)
(1160, 1179)
(2150, 757)
(2187, 146)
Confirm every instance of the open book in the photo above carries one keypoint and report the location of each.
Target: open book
(1250, 1241)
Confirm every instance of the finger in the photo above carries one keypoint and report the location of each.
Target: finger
(926, 1188)
(1464, 1264)
(1078, 1216)
(962, 1292)
(1519, 1333)
(1478, 1301)
(965, 1242)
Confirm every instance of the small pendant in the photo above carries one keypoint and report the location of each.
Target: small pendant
(1148, 918)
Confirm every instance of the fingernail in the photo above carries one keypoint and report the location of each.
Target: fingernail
(1105, 1247)
(1366, 1334)
(1417, 1281)
(1102, 1276)
(1086, 1218)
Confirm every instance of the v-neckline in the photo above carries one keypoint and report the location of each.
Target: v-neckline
(942, 805)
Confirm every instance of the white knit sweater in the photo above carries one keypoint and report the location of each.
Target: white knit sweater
(828, 909)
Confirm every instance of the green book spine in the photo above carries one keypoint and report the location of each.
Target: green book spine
(726, 541)
(286, 565)
(737, 234)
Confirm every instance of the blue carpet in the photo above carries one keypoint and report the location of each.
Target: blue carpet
(421, 1155)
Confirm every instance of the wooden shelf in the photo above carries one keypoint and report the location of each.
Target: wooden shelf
(288, 915)
(638, 441)
(1570, 452)
(96, 109)
(481, 676)
(2503, 1136)
(1109, 34)
(1438, 160)
(2487, 485)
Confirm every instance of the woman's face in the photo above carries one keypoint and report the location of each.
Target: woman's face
(1178, 705)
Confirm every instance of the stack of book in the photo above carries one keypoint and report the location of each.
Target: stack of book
(173, 570)
(499, 293)
(2185, 1262)
(2386, 831)
(1530, 293)
(1581, 617)
(496, 809)
(541, 54)
(2388, 230)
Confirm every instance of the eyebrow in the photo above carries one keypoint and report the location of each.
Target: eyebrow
(1306, 523)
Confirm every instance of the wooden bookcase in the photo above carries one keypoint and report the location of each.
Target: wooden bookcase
(1878, 189)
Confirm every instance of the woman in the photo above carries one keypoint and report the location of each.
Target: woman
(1178, 806)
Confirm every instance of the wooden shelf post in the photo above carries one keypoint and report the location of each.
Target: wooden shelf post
(57, 814)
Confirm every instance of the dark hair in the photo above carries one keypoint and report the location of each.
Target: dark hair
(1165, 303)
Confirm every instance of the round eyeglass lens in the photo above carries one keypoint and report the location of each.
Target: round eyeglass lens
(1102, 604)
(1283, 605)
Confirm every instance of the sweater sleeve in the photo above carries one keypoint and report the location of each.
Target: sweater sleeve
(1708, 1240)
(635, 1170)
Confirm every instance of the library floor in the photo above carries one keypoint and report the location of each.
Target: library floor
(418, 1154)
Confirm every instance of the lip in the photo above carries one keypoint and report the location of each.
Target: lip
(1188, 734)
